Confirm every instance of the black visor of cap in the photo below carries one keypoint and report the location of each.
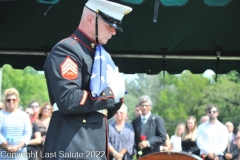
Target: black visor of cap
(111, 21)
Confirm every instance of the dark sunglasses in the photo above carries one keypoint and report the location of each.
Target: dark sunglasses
(34, 106)
(47, 109)
(9, 100)
(119, 112)
(144, 105)
(212, 112)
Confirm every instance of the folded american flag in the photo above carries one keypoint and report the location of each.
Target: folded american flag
(98, 78)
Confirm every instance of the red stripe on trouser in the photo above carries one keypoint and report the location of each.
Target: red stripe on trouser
(106, 123)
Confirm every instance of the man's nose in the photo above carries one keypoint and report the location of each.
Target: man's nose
(112, 30)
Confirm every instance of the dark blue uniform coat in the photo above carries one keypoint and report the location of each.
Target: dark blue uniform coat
(76, 130)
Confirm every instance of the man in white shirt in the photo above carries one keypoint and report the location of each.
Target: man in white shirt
(212, 137)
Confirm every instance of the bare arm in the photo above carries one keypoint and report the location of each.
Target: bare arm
(36, 140)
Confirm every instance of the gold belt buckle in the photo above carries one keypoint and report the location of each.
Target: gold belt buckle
(103, 111)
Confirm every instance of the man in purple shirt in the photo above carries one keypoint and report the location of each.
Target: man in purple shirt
(121, 136)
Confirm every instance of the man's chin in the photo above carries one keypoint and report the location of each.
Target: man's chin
(212, 118)
(102, 42)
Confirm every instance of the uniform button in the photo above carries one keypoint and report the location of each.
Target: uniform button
(84, 121)
(110, 92)
(103, 94)
(75, 38)
(92, 45)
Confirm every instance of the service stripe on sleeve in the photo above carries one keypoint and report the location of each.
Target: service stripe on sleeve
(84, 98)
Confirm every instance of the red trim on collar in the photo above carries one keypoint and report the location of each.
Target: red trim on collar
(87, 36)
(79, 40)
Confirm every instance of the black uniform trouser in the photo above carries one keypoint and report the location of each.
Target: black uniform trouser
(220, 158)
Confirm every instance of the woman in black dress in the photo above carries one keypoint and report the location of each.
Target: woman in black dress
(189, 137)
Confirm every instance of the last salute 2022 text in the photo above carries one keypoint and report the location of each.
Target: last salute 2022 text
(70, 154)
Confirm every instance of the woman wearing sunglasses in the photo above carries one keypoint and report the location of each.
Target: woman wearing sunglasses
(15, 128)
(44, 117)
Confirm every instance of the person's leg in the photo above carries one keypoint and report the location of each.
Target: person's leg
(221, 158)
(32, 158)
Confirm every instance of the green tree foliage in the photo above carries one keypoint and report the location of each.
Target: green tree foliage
(176, 97)
(30, 83)
(225, 94)
(180, 98)
(131, 101)
(142, 85)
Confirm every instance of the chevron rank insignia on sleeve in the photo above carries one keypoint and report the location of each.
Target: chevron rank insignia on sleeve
(69, 69)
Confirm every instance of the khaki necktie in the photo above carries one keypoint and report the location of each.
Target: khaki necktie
(228, 147)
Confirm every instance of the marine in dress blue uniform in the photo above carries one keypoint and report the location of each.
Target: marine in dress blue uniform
(78, 130)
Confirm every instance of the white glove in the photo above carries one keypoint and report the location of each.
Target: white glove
(55, 107)
(115, 82)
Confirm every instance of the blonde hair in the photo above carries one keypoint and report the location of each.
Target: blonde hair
(194, 132)
(9, 92)
(123, 108)
(176, 130)
(41, 109)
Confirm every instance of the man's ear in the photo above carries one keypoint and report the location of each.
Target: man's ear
(90, 19)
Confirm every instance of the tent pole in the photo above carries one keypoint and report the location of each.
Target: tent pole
(0, 84)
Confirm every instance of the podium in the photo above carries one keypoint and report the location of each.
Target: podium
(170, 155)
